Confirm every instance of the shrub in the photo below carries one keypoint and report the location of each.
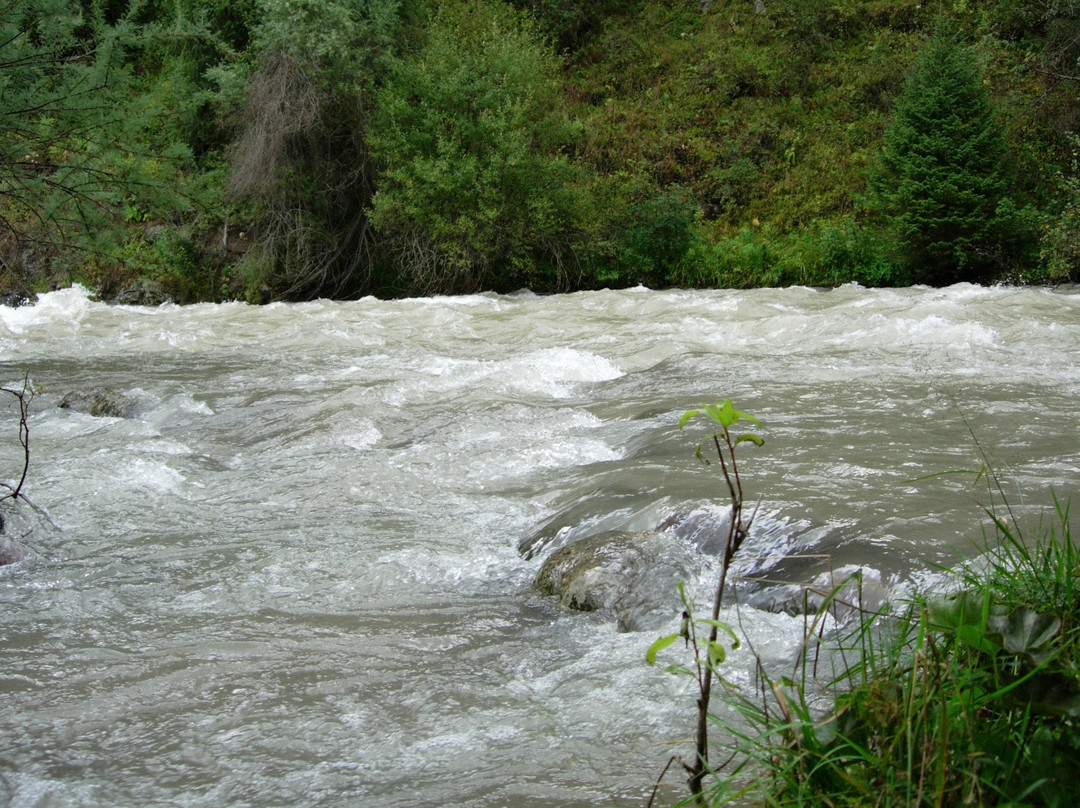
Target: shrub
(657, 235)
(1061, 241)
(474, 191)
(830, 254)
(74, 146)
(302, 159)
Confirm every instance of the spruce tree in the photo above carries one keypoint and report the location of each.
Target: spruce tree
(940, 181)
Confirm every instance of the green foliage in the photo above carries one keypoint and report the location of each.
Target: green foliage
(940, 183)
(657, 234)
(173, 259)
(819, 254)
(567, 21)
(474, 190)
(1061, 240)
(71, 146)
(671, 143)
(345, 44)
(182, 45)
(826, 254)
(963, 699)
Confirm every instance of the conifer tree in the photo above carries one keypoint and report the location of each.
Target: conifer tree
(940, 182)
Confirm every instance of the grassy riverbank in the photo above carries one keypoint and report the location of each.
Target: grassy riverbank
(966, 699)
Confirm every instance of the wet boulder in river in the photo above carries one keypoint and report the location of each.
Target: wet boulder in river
(633, 575)
(100, 402)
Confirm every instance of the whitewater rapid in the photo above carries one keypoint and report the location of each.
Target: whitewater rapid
(292, 576)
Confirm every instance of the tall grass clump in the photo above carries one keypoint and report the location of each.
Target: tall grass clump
(971, 697)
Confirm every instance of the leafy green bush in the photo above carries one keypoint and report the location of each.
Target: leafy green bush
(819, 254)
(656, 237)
(76, 149)
(1061, 239)
(474, 191)
(830, 254)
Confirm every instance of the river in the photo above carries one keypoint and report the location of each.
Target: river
(292, 576)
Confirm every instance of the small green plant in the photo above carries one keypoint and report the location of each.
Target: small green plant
(966, 699)
(710, 653)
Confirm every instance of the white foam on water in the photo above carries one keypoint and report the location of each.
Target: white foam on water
(64, 308)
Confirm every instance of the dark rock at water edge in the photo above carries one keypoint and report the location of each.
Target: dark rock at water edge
(99, 402)
(14, 300)
(141, 292)
(633, 575)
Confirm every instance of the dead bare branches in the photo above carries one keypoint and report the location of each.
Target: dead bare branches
(301, 158)
(23, 395)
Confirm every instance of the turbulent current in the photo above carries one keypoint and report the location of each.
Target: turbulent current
(291, 575)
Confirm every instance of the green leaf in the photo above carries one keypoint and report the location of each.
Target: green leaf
(658, 646)
(957, 609)
(725, 628)
(749, 437)
(1023, 630)
(687, 416)
(717, 653)
(745, 416)
(724, 414)
(975, 636)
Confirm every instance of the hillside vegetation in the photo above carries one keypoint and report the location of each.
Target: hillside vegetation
(290, 149)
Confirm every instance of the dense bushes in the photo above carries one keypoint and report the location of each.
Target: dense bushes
(406, 146)
(302, 160)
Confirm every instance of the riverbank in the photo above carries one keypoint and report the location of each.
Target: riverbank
(944, 699)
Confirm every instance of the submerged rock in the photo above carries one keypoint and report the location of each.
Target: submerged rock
(844, 592)
(14, 299)
(12, 551)
(634, 575)
(100, 401)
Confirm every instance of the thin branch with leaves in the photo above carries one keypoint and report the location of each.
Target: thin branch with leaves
(725, 443)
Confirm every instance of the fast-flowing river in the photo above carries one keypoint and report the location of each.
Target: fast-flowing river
(291, 576)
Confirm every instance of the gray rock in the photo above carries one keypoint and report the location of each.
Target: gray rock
(14, 299)
(633, 575)
(12, 552)
(154, 232)
(141, 292)
(99, 402)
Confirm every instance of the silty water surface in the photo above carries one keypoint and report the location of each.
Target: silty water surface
(292, 576)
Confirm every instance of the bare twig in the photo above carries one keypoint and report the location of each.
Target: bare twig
(23, 395)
